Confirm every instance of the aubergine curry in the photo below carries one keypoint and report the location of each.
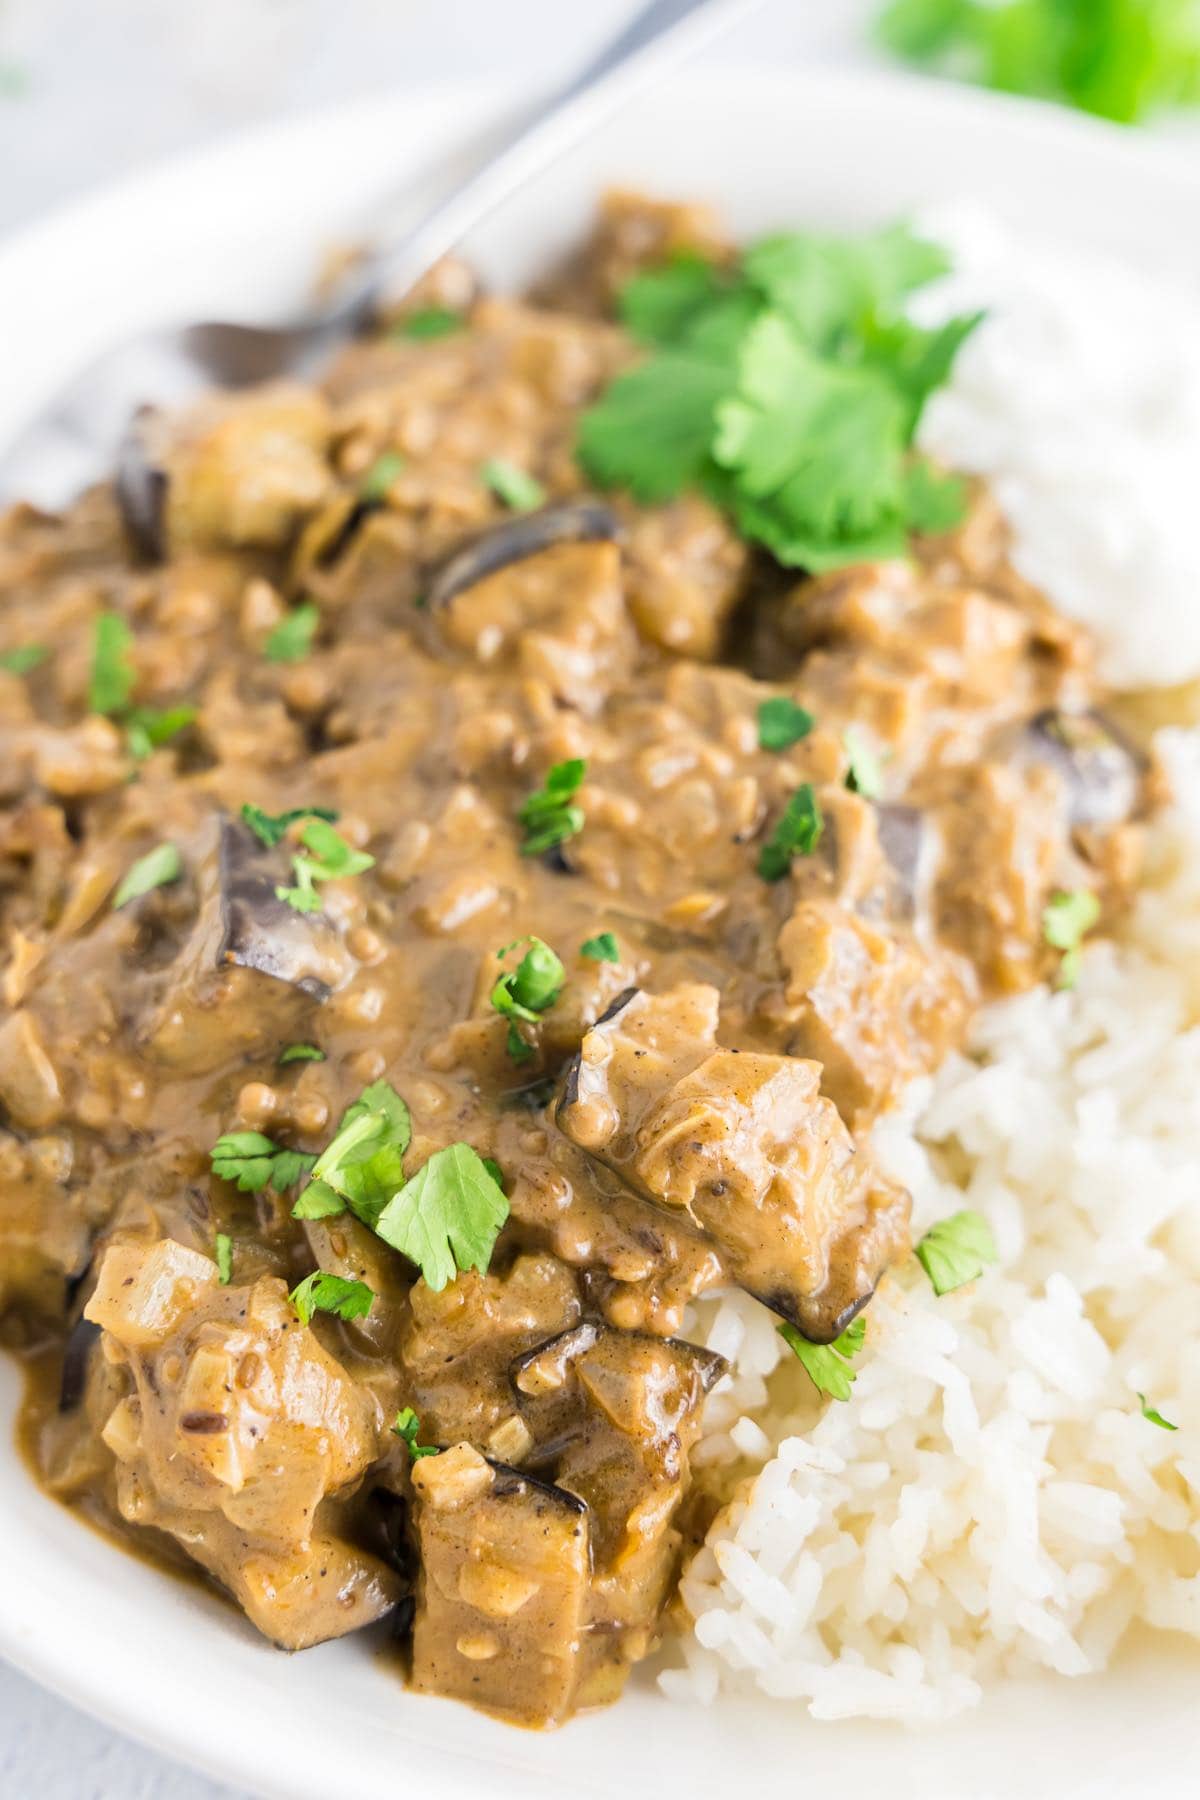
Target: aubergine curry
(459, 906)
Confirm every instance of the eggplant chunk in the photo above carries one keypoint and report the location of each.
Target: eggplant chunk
(141, 487)
(580, 522)
(1101, 773)
(260, 931)
(746, 1146)
(502, 1594)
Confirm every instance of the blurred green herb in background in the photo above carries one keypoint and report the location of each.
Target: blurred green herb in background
(14, 81)
(1121, 59)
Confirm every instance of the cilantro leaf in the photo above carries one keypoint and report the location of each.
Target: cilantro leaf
(112, 677)
(1120, 59)
(797, 833)
(549, 815)
(224, 1258)
(657, 306)
(1066, 920)
(296, 1053)
(157, 868)
(781, 723)
(652, 429)
(601, 948)
(527, 991)
(254, 1162)
(827, 287)
(956, 1250)
(271, 828)
(407, 1428)
(332, 859)
(24, 658)
(865, 775)
(933, 502)
(292, 638)
(429, 322)
(147, 728)
(380, 476)
(516, 487)
(362, 1166)
(447, 1217)
(1155, 1417)
(321, 1292)
(828, 1366)
(817, 449)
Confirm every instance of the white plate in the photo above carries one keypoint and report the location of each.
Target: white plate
(237, 231)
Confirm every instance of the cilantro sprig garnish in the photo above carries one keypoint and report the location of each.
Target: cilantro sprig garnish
(386, 468)
(1153, 1416)
(23, 658)
(110, 689)
(429, 322)
(828, 1366)
(271, 828)
(322, 1292)
(956, 1250)
(1120, 59)
(782, 723)
(524, 993)
(147, 728)
(407, 1427)
(292, 639)
(158, 868)
(550, 814)
(1066, 920)
(601, 948)
(331, 859)
(797, 833)
(300, 1053)
(223, 1251)
(254, 1162)
(789, 388)
(445, 1218)
(516, 487)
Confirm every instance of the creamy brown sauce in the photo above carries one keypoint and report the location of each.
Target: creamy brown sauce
(691, 1114)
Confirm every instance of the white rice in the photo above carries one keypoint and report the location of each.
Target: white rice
(1079, 399)
(991, 1501)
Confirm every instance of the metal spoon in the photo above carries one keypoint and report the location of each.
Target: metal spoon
(75, 439)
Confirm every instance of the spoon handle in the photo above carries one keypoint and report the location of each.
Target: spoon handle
(657, 39)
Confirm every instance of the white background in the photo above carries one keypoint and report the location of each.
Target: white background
(92, 88)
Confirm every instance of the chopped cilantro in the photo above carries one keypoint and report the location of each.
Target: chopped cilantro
(429, 322)
(1154, 1416)
(254, 1162)
(157, 868)
(332, 859)
(292, 638)
(865, 775)
(797, 834)
(362, 1166)
(520, 491)
(789, 388)
(601, 948)
(300, 1053)
(447, 1218)
(549, 815)
(112, 676)
(527, 991)
(271, 828)
(407, 1428)
(1121, 59)
(781, 723)
(321, 1292)
(147, 728)
(224, 1258)
(24, 658)
(828, 1366)
(380, 476)
(1066, 920)
(956, 1250)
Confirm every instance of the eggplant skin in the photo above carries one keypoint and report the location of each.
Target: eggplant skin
(141, 488)
(1101, 771)
(260, 931)
(580, 522)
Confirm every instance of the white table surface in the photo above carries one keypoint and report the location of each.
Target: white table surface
(92, 88)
